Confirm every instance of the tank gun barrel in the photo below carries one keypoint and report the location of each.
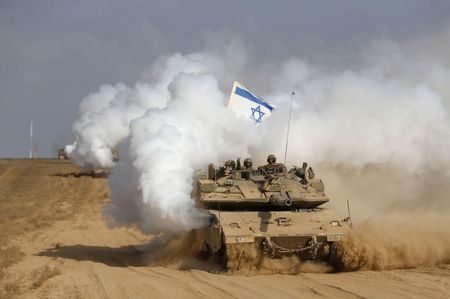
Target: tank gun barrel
(280, 201)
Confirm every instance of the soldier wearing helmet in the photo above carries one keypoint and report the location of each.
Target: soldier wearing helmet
(248, 164)
(272, 166)
(271, 160)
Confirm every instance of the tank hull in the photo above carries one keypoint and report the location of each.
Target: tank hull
(309, 234)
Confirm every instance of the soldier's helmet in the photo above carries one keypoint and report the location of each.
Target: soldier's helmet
(271, 159)
(248, 162)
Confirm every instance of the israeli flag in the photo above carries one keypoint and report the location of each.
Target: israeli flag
(247, 105)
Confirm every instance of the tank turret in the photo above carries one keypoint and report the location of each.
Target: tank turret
(265, 188)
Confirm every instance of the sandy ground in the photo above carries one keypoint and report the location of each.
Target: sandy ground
(55, 244)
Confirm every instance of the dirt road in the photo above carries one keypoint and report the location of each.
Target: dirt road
(55, 244)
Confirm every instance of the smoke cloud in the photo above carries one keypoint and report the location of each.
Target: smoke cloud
(167, 147)
(387, 110)
(104, 117)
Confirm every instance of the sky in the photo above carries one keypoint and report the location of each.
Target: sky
(54, 53)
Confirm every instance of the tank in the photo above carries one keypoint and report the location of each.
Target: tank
(62, 154)
(266, 211)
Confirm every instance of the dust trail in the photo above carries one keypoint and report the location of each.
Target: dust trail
(400, 220)
(401, 241)
(248, 259)
(179, 251)
(186, 252)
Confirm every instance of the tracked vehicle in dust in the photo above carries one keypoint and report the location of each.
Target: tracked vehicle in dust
(267, 211)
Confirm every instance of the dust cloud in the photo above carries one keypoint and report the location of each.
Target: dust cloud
(186, 252)
(403, 241)
(400, 220)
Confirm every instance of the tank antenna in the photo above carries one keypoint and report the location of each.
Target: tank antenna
(31, 132)
(349, 215)
(288, 126)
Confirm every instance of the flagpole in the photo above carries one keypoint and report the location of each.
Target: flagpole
(289, 124)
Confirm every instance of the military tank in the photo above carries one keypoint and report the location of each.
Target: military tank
(267, 211)
(62, 154)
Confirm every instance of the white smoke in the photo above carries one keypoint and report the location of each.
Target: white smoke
(357, 119)
(390, 108)
(167, 146)
(104, 117)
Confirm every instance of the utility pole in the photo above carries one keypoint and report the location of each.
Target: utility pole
(31, 132)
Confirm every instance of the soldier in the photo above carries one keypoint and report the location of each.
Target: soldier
(248, 164)
(271, 160)
(247, 171)
(230, 166)
(272, 166)
(238, 164)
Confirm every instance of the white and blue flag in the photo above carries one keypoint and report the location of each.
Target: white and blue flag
(247, 105)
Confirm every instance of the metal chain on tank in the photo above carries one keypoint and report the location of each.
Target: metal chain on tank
(272, 249)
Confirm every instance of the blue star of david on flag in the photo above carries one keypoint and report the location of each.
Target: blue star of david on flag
(244, 102)
(257, 114)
